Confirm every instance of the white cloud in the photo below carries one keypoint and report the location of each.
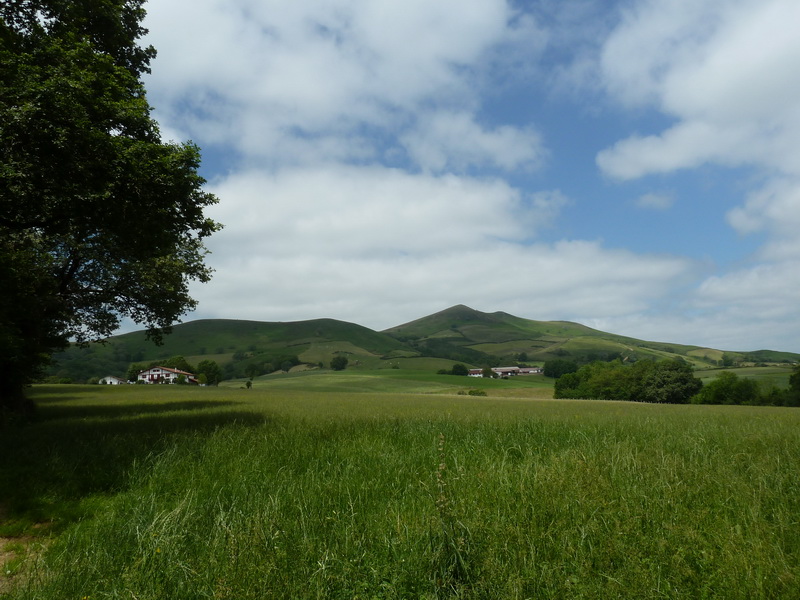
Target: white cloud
(454, 141)
(724, 70)
(367, 211)
(773, 211)
(687, 145)
(547, 205)
(299, 83)
(769, 291)
(570, 280)
(312, 98)
(774, 208)
(655, 201)
(376, 246)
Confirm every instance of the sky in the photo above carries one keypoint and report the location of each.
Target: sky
(631, 165)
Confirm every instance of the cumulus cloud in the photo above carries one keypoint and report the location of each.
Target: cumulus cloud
(377, 246)
(724, 73)
(373, 211)
(372, 180)
(723, 70)
(775, 208)
(454, 141)
(315, 80)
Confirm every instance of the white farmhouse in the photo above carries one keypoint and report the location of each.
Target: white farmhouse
(164, 375)
(508, 371)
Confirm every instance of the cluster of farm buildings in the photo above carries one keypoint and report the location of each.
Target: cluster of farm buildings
(508, 371)
(154, 375)
(167, 375)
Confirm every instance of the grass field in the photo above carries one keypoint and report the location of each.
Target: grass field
(338, 487)
(401, 381)
(774, 375)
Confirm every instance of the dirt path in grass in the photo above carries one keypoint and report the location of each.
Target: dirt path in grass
(6, 556)
(15, 552)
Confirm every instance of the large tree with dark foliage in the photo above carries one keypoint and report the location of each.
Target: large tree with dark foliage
(99, 218)
(667, 381)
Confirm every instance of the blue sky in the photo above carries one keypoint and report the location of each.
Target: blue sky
(629, 165)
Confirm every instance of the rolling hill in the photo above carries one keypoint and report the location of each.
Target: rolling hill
(457, 334)
(505, 336)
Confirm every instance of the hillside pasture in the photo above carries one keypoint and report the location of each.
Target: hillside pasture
(709, 355)
(458, 334)
(321, 352)
(311, 492)
(772, 375)
(420, 364)
(400, 381)
(511, 347)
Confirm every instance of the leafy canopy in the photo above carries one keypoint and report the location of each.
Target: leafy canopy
(668, 381)
(99, 218)
(339, 362)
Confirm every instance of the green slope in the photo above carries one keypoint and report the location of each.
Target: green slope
(233, 344)
(504, 337)
(458, 334)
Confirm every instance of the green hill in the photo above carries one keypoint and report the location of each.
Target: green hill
(506, 338)
(234, 345)
(458, 334)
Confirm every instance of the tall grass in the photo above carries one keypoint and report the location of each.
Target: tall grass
(247, 494)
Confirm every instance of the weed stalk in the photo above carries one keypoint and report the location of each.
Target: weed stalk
(453, 549)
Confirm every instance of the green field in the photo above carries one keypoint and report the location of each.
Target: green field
(394, 486)
(775, 375)
(401, 381)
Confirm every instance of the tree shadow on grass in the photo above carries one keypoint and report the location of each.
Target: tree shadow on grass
(50, 470)
(49, 411)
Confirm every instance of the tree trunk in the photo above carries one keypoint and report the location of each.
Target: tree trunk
(15, 406)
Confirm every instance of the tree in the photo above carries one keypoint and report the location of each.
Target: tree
(175, 362)
(728, 388)
(99, 219)
(459, 369)
(794, 380)
(252, 370)
(210, 370)
(568, 386)
(339, 362)
(557, 367)
(134, 370)
(669, 381)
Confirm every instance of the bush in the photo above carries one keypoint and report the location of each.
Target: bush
(557, 367)
(459, 369)
(339, 362)
(728, 388)
(472, 392)
(669, 382)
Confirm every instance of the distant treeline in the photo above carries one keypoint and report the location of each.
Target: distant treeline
(669, 381)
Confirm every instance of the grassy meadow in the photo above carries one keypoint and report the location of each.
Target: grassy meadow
(766, 376)
(394, 486)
